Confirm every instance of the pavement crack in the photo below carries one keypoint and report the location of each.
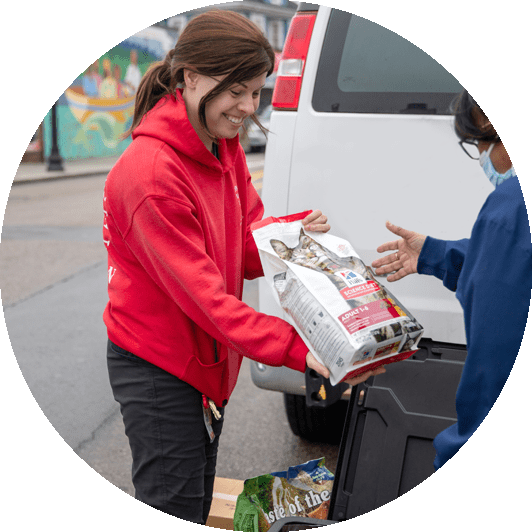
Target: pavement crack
(106, 420)
(85, 269)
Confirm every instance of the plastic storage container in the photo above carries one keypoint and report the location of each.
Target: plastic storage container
(391, 422)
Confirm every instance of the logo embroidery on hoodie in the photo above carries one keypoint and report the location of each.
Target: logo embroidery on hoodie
(111, 273)
(238, 199)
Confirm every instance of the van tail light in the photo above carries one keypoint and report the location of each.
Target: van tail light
(292, 63)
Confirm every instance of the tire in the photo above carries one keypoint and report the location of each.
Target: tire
(317, 425)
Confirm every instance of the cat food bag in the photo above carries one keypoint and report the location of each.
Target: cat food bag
(348, 320)
(303, 491)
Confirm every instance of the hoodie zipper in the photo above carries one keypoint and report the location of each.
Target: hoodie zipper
(215, 352)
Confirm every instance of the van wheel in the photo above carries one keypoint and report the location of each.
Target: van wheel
(318, 425)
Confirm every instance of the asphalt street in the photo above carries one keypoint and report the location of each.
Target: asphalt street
(53, 287)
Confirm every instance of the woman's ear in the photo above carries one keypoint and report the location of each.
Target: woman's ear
(481, 120)
(190, 77)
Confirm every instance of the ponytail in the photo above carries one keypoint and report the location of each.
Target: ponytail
(156, 83)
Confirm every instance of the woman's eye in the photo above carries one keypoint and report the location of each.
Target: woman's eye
(235, 93)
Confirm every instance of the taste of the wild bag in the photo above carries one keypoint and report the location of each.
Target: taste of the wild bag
(348, 320)
(303, 491)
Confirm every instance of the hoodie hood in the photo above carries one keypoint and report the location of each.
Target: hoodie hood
(168, 122)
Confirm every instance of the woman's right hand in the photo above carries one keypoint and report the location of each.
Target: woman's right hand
(403, 261)
(318, 367)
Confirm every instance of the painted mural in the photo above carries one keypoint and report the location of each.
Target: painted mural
(96, 111)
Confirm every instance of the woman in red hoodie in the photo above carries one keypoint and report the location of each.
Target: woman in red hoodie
(178, 208)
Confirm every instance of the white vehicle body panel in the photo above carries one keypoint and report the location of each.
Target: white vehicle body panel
(363, 169)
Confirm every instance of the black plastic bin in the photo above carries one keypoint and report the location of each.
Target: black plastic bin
(391, 422)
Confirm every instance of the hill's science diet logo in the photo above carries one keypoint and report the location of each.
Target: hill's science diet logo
(359, 289)
(350, 278)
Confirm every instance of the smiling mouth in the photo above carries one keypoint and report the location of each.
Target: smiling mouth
(234, 120)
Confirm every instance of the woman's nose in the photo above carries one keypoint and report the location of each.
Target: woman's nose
(247, 105)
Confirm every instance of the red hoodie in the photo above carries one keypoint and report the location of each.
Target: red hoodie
(177, 230)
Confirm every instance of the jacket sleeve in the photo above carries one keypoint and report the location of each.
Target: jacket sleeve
(444, 259)
(494, 291)
(168, 241)
(252, 263)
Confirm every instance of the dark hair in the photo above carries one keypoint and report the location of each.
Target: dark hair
(467, 114)
(215, 43)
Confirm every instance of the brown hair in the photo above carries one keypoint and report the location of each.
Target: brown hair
(215, 43)
(467, 114)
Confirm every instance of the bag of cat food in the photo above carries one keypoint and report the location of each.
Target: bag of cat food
(347, 319)
(303, 491)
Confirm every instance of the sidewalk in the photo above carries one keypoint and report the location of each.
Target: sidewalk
(33, 172)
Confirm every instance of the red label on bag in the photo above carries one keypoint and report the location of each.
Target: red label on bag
(353, 292)
(368, 315)
(281, 220)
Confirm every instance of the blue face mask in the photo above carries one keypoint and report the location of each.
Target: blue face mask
(495, 177)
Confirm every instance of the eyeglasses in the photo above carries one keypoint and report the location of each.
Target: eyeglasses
(471, 148)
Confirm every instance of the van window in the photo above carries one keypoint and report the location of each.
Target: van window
(365, 68)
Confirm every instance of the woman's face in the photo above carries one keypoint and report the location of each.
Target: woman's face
(224, 114)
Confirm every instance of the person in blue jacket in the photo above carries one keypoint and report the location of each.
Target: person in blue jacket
(491, 273)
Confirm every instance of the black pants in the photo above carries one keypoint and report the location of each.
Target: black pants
(174, 462)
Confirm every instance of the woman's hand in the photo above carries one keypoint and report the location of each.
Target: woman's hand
(313, 363)
(403, 260)
(365, 376)
(316, 221)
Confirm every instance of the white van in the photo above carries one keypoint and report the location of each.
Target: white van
(361, 129)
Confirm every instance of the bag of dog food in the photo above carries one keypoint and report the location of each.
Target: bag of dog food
(303, 490)
(348, 320)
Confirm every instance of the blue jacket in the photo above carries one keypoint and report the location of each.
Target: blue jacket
(491, 273)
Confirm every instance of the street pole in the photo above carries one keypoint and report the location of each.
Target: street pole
(55, 162)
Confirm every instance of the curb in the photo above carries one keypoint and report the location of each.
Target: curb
(37, 172)
(41, 178)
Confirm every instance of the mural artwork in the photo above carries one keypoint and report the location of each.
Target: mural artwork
(96, 111)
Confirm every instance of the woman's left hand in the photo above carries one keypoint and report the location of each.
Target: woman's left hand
(365, 376)
(316, 221)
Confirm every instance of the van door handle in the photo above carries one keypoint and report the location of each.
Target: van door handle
(417, 109)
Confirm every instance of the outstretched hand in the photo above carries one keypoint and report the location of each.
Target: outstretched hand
(316, 221)
(403, 261)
